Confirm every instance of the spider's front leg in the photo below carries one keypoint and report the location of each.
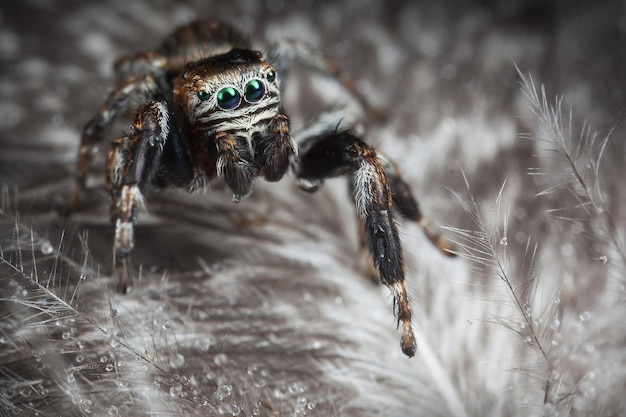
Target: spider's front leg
(342, 153)
(134, 163)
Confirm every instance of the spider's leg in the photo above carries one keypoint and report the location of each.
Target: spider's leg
(116, 103)
(405, 202)
(276, 151)
(117, 156)
(338, 153)
(132, 165)
(283, 53)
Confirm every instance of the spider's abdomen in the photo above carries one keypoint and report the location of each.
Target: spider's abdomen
(202, 39)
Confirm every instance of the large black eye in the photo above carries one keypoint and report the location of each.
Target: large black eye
(204, 95)
(228, 98)
(255, 90)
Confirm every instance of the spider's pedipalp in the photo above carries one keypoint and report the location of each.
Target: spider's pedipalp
(277, 150)
(236, 164)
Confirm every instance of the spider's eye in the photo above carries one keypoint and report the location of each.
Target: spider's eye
(353, 152)
(255, 90)
(270, 76)
(204, 95)
(228, 98)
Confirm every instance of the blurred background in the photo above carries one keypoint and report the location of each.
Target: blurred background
(265, 307)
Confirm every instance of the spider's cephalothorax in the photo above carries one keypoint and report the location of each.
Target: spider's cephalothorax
(210, 106)
(229, 108)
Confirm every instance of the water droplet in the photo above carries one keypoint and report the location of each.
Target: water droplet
(175, 390)
(308, 185)
(80, 358)
(204, 345)
(220, 359)
(166, 325)
(589, 392)
(109, 367)
(504, 241)
(66, 335)
(310, 405)
(223, 391)
(177, 361)
(25, 392)
(46, 248)
(602, 259)
(555, 375)
(255, 369)
(234, 409)
(112, 410)
(301, 403)
(86, 405)
(555, 324)
(522, 325)
(585, 316)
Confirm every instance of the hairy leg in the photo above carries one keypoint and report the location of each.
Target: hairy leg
(337, 153)
(132, 165)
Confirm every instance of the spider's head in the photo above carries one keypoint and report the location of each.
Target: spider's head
(232, 92)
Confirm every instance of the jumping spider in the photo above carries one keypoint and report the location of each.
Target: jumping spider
(210, 106)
